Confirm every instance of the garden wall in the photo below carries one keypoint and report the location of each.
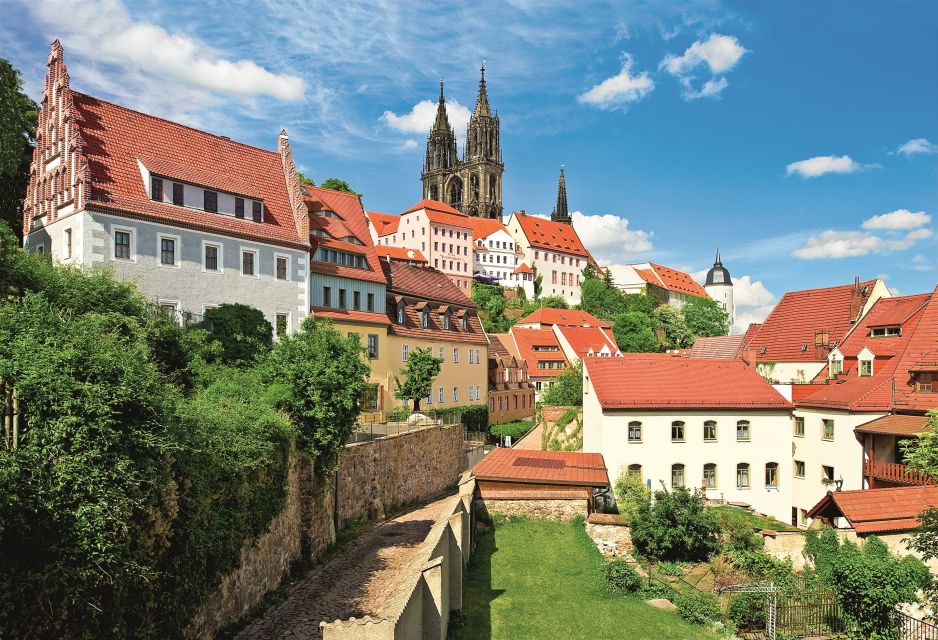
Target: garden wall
(791, 545)
(373, 478)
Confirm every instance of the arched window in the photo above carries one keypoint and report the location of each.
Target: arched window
(434, 192)
(455, 192)
(677, 431)
(710, 475)
(710, 431)
(635, 432)
(677, 475)
(771, 475)
(493, 187)
(635, 470)
(742, 431)
(474, 188)
(742, 475)
(425, 319)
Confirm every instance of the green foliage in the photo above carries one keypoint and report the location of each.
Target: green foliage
(338, 185)
(747, 610)
(869, 581)
(621, 577)
(514, 429)
(698, 607)
(737, 531)
(639, 303)
(705, 317)
(759, 565)
(674, 331)
(675, 526)
(567, 389)
(921, 453)
(673, 569)
(421, 370)
(318, 377)
(474, 416)
(244, 333)
(18, 116)
(490, 299)
(630, 491)
(634, 334)
(305, 179)
(600, 298)
(554, 302)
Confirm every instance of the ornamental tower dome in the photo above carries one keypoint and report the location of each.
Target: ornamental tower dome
(719, 286)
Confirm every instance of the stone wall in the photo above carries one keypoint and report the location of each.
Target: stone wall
(373, 478)
(552, 509)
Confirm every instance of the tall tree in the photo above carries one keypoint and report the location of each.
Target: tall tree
(922, 454)
(601, 299)
(305, 179)
(421, 370)
(705, 317)
(634, 334)
(338, 185)
(18, 114)
(670, 325)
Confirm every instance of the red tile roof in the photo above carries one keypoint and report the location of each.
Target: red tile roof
(564, 317)
(672, 280)
(384, 223)
(116, 139)
(799, 314)
(349, 315)
(442, 213)
(639, 381)
(351, 223)
(484, 227)
(543, 467)
(553, 236)
(588, 340)
(400, 253)
(523, 268)
(878, 510)
(726, 347)
(424, 282)
(527, 339)
(896, 424)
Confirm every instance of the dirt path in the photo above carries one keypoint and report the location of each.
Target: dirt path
(531, 441)
(354, 583)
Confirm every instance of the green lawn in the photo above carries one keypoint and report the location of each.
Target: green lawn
(534, 579)
(754, 520)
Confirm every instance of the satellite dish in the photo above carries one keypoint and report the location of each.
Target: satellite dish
(410, 253)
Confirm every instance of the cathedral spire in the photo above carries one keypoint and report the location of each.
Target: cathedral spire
(718, 262)
(482, 101)
(442, 121)
(561, 214)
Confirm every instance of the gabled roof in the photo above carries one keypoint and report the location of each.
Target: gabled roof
(796, 317)
(441, 213)
(548, 316)
(523, 268)
(400, 253)
(527, 339)
(425, 283)
(885, 312)
(350, 315)
(552, 236)
(724, 347)
(384, 223)
(542, 467)
(484, 227)
(586, 341)
(895, 424)
(117, 138)
(878, 510)
(350, 223)
(638, 381)
(672, 280)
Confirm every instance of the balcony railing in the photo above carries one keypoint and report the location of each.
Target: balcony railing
(894, 472)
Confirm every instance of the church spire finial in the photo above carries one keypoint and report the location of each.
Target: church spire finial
(718, 262)
(561, 213)
(441, 121)
(482, 101)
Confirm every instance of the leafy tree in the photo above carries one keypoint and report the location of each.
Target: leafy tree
(705, 317)
(421, 370)
(676, 526)
(633, 333)
(554, 302)
(538, 284)
(567, 388)
(630, 491)
(921, 453)
(670, 325)
(18, 115)
(490, 299)
(243, 332)
(600, 299)
(640, 302)
(338, 185)
(318, 377)
(305, 179)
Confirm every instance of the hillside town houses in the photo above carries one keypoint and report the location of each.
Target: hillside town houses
(818, 396)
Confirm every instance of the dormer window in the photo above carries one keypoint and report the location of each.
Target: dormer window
(925, 383)
(179, 198)
(446, 320)
(239, 208)
(425, 319)
(210, 201)
(835, 364)
(465, 323)
(886, 332)
(400, 312)
(257, 210)
(866, 368)
(156, 189)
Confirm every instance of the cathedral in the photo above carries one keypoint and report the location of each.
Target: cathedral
(472, 184)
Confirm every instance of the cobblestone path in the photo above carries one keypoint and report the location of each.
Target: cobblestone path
(356, 582)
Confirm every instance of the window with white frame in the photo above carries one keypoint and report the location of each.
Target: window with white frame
(710, 431)
(455, 355)
(742, 475)
(282, 267)
(677, 431)
(455, 394)
(771, 475)
(866, 368)
(710, 475)
(405, 351)
(248, 263)
(67, 244)
(827, 429)
(283, 324)
(798, 469)
(743, 431)
(442, 395)
(168, 247)
(635, 432)
(799, 427)
(211, 257)
(123, 248)
(677, 475)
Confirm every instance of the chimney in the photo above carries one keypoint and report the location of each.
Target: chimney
(857, 300)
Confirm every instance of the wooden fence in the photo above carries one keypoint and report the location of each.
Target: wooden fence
(913, 629)
(809, 613)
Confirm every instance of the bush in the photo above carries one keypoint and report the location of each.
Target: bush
(673, 569)
(761, 566)
(698, 607)
(567, 389)
(630, 491)
(243, 332)
(513, 429)
(474, 416)
(747, 610)
(676, 526)
(738, 535)
(621, 577)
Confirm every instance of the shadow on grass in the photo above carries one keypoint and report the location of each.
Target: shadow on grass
(474, 622)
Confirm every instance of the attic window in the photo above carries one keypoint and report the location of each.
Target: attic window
(330, 214)
(400, 312)
(925, 383)
(804, 347)
(465, 323)
(257, 211)
(866, 368)
(886, 332)
(763, 351)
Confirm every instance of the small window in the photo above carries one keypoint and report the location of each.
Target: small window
(210, 201)
(442, 396)
(771, 475)
(357, 300)
(442, 353)
(425, 319)
(167, 251)
(372, 346)
(67, 244)
(122, 245)
(827, 474)
(677, 431)
(866, 368)
(828, 429)
(742, 475)
(710, 475)
(925, 383)
(257, 209)
(239, 207)
(803, 517)
(455, 355)
(405, 351)
(342, 300)
(156, 189)
(247, 263)
(281, 268)
(799, 427)
(635, 470)
(179, 191)
(798, 470)
(742, 431)
(635, 432)
(327, 296)
(837, 367)
(710, 431)
(677, 476)
(446, 321)
(455, 394)
(211, 257)
(400, 313)
(371, 302)
(282, 321)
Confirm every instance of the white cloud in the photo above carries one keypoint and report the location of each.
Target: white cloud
(718, 53)
(421, 116)
(820, 165)
(916, 146)
(752, 300)
(848, 244)
(608, 237)
(710, 89)
(899, 219)
(620, 90)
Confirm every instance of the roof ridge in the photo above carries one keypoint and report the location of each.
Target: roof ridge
(849, 285)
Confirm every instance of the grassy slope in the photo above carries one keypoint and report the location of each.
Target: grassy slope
(543, 579)
(754, 520)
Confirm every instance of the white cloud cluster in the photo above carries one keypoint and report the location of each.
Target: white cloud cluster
(752, 300)
(820, 165)
(620, 90)
(904, 228)
(719, 54)
(916, 146)
(421, 116)
(608, 237)
(898, 220)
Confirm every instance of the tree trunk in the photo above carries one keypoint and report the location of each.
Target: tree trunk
(416, 405)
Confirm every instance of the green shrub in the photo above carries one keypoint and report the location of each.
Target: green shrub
(621, 577)
(673, 569)
(630, 491)
(243, 332)
(676, 526)
(567, 389)
(698, 607)
(761, 566)
(747, 610)
(513, 429)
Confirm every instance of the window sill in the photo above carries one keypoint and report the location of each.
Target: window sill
(169, 266)
(827, 439)
(248, 275)
(635, 441)
(710, 440)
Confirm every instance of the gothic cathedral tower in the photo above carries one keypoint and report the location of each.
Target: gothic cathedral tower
(474, 184)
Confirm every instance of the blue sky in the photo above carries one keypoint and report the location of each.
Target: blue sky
(773, 128)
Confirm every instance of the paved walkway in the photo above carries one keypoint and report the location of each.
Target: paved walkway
(356, 582)
(532, 441)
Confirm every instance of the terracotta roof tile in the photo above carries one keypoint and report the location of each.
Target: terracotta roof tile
(442, 213)
(878, 510)
(350, 223)
(563, 317)
(588, 340)
(526, 340)
(678, 281)
(554, 236)
(726, 347)
(543, 467)
(350, 316)
(400, 253)
(896, 424)
(384, 223)
(425, 283)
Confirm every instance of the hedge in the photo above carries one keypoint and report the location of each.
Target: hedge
(474, 416)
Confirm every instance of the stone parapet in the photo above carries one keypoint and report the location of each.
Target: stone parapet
(550, 509)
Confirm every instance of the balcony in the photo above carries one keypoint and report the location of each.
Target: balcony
(895, 473)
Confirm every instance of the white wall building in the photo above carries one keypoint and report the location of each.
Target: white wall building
(719, 286)
(496, 255)
(667, 285)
